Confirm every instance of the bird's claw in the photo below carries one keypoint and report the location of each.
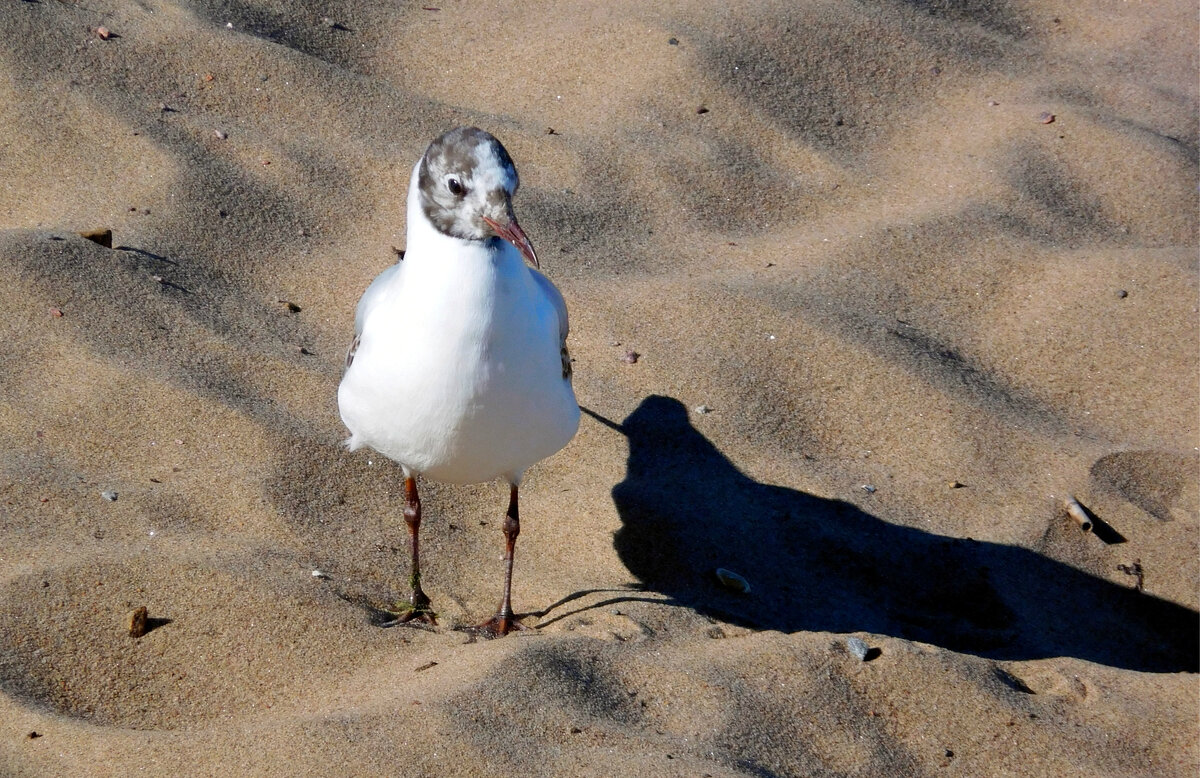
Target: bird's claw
(497, 627)
(416, 609)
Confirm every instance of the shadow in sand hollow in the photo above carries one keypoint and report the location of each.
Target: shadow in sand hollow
(824, 565)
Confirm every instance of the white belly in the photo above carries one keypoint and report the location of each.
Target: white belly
(458, 376)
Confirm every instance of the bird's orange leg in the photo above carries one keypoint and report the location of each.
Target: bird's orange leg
(505, 621)
(417, 608)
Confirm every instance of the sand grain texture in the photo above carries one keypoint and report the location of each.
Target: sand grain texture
(918, 315)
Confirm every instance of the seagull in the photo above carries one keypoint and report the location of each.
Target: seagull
(459, 368)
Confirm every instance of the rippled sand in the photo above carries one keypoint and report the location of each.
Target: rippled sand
(901, 276)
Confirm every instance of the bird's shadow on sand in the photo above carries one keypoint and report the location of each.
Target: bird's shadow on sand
(824, 565)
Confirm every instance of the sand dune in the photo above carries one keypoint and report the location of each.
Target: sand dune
(902, 276)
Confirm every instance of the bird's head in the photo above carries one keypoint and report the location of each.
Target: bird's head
(466, 182)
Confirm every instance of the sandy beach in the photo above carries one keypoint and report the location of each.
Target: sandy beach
(861, 294)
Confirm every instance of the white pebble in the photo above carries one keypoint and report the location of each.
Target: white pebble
(859, 648)
(732, 581)
(109, 495)
(702, 409)
(320, 574)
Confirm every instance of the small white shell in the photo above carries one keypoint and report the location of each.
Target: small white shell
(732, 581)
(320, 574)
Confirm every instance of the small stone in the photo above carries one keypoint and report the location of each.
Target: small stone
(703, 409)
(137, 621)
(631, 357)
(993, 103)
(732, 581)
(109, 495)
(1045, 117)
(858, 648)
(221, 134)
(56, 313)
(616, 612)
(1122, 294)
(868, 488)
(954, 485)
(702, 110)
(291, 306)
(34, 735)
(320, 574)
(104, 33)
(672, 41)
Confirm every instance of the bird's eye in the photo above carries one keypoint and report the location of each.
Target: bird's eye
(455, 186)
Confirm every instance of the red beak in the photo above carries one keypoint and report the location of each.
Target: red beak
(513, 233)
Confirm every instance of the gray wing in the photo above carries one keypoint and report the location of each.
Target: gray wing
(560, 306)
(365, 304)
